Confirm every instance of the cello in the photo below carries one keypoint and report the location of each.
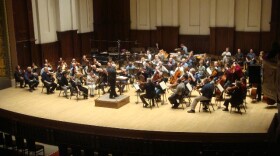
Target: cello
(176, 75)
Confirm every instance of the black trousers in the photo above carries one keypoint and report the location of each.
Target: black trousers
(32, 83)
(113, 90)
(21, 81)
(143, 96)
(50, 86)
(227, 101)
(84, 90)
(173, 99)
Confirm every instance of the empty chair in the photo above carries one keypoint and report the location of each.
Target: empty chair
(9, 142)
(21, 145)
(34, 148)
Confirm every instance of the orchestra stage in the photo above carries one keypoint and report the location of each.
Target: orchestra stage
(132, 116)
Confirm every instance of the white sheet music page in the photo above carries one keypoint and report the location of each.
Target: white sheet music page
(188, 85)
(221, 89)
(136, 86)
(209, 71)
(162, 85)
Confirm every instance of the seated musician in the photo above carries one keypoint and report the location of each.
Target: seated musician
(185, 49)
(179, 56)
(30, 79)
(192, 77)
(48, 80)
(34, 68)
(179, 68)
(96, 63)
(171, 64)
(206, 60)
(201, 70)
(102, 79)
(129, 69)
(191, 60)
(236, 93)
(156, 60)
(218, 71)
(162, 69)
(150, 92)
(149, 55)
(65, 84)
(122, 82)
(149, 70)
(84, 63)
(207, 93)
(19, 76)
(177, 95)
(91, 82)
(78, 85)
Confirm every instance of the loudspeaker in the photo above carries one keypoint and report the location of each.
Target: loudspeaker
(254, 72)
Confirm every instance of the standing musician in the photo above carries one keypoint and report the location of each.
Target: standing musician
(207, 93)
(185, 49)
(150, 92)
(111, 73)
(48, 80)
(239, 58)
(251, 58)
(30, 79)
(226, 56)
(19, 76)
(177, 95)
(236, 93)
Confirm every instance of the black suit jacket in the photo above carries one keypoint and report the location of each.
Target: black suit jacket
(112, 75)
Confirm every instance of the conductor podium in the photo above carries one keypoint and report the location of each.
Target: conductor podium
(105, 101)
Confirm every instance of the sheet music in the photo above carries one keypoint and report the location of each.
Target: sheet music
(209, 71)
(221, 89)
(162, 85)
(136, 86)
(188, 85)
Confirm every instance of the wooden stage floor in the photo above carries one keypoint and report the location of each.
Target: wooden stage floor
(133, 116)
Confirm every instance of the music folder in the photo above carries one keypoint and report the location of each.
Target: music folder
(162, 85)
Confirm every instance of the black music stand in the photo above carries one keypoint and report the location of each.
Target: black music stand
(138, 90)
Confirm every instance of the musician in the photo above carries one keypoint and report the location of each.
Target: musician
(65, 84)
(102, 80)
(226, 56)
(129, 70)
(161, 68)
(185, 49)
(236, 98)
(111, 73)
(91, 82)
(73, 69)
(78, 85)
(177, 95)
(156, 60)
(179, 56)
(218, 71)
(201, 70)
(84, 63)
(251, 58)
(207, 93)
(180, 68)
(171, 63)
(206, 60)
(96, 63)
(149, 55)
(191, 60)
(48, 80)
(191, 77)
(150, 92)
(19, 76)
(29, 78)
(72, 63)
(34, 68)
(239, 58)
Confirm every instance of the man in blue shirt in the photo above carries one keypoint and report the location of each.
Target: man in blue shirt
(207, 93)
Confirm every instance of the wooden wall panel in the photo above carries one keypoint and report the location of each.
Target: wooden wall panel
(143, 38)
(50, 51)
(197, 43)
(168, 37)
(68, 45)
(220, 38)
(84, 43)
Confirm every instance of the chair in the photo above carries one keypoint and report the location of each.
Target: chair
(206, 104)
(34, 148)
(43, 86)
(2, 140)
(242, 103)
(21, 145)
(164, 98)
(75, 91)
(9, 142)
(150, 102)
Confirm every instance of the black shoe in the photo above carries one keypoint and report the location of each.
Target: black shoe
(31, 90)
(225, 109)
(116, 96)
(191, 111)
(111, 97)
